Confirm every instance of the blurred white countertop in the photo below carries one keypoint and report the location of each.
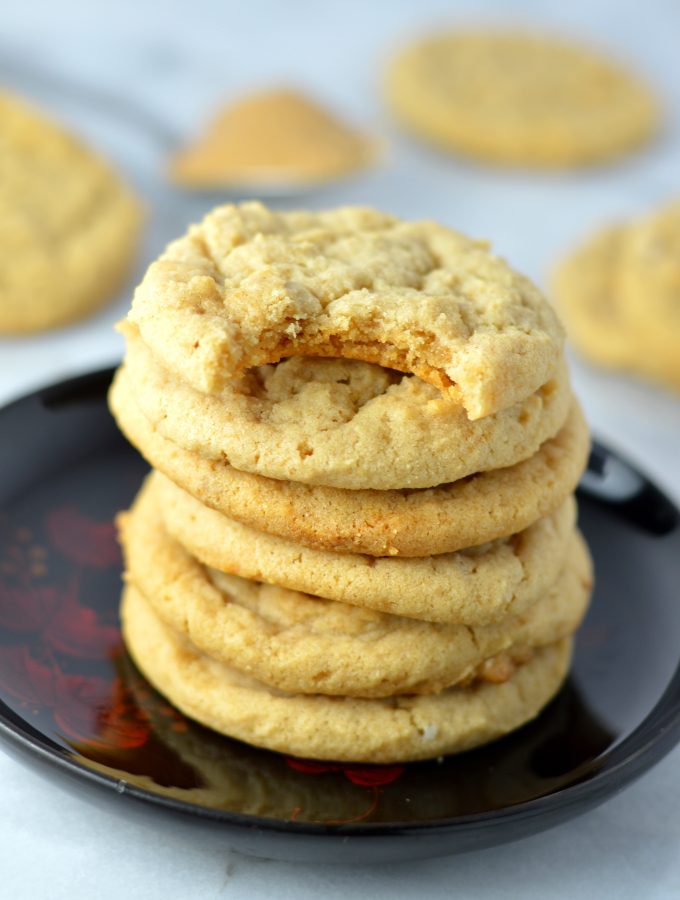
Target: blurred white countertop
(180, 62)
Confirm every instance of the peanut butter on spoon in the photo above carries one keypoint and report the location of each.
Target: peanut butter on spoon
(274, 139)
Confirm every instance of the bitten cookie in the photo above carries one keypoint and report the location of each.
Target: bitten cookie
(519, 99)
(249, 286)
(386, 730)
(69, 228)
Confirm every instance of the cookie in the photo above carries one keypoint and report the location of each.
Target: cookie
(69, 228)
(379, 523)
(519, 99)
(249, 286)
(648, 285)
(342, 423)
(347, 729)
(585, 290)
(303, 644)
(471, 587)
(272, 140)
(620, 294)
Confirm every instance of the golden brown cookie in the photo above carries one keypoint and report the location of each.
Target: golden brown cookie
(393, 729)
(249, 286)
(342, 423)
(69, 228)
(379, 523)
(519, 99)
(476, 586)
(304, 644)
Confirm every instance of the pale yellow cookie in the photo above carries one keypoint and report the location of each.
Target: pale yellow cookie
(304, 644)
(342, 423)
(350, 729)
(69, 228)
(249, 286)
(379, 523)
(585, 290)
(620, 294)
(648, 284)
(471, 587)
(519, 99)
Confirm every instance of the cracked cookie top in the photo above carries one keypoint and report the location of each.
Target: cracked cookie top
(249, 286)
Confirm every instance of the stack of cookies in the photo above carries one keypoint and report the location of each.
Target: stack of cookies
(359, 539)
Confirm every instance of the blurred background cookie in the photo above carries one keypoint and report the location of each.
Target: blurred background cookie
(519, 99)
(620, 296)
(69, 227)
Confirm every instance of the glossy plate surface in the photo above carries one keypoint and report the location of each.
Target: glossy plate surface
(72, 702)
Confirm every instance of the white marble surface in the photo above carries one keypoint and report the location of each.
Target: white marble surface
(180, 62)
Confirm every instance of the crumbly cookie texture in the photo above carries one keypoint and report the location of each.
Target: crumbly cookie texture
(301, 643)
(342, 423)
(249, 286)
(69, 228)
(444, 519)
(519, 99)
(273, 139)
(348, 729)
(471, 587)
(620, 295)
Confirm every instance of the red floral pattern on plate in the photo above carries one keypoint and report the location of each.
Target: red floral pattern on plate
(60, 655)
(81, 539)
(57, 637)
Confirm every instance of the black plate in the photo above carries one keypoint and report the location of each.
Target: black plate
(72, 702)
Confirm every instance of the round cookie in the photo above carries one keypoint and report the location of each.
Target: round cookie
(519, 99)
(342, 423)
(304, 644)
(476, 586)
(249, 286)
(348, 729)
(585, 290)
(620, 294)
(648, 284)
(69, 228)
(379, 523)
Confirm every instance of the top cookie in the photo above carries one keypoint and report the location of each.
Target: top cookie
(249, 286)
(519, 99)
(69, 228)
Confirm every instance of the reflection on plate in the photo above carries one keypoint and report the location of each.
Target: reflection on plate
(70, 696)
